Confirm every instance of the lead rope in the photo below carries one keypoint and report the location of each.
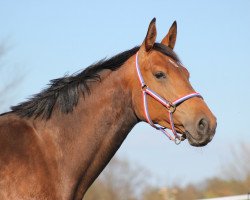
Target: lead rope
(170, 106)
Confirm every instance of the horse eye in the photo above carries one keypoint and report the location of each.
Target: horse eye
(159, 75)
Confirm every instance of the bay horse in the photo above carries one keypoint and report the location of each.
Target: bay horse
(54, 145)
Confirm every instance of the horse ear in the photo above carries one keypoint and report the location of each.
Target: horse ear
(170, 38)
(151, 35)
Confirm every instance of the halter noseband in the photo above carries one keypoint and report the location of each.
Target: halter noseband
(171, 106)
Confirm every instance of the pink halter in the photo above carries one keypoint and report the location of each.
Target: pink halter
(171, 106)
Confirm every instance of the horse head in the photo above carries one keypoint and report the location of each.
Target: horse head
(169, 99)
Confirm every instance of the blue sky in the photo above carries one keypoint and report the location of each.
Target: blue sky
(50, 38)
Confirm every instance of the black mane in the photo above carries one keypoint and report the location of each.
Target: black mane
(65, 91)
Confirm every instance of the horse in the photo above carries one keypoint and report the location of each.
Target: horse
(55, 144)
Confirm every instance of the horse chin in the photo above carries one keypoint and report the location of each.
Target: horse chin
(195, 142)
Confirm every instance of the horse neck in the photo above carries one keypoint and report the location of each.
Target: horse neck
(88, 137)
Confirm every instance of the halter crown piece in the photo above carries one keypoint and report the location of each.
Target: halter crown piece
(171, 106)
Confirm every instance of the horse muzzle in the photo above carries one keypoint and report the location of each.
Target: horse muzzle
(202, 133)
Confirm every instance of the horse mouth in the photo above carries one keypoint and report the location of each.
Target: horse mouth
(193, 141)
(184, 134)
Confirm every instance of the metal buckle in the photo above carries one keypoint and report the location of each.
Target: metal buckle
(171, 108)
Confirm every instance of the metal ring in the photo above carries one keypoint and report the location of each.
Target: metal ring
(177, 141)
(144, 87)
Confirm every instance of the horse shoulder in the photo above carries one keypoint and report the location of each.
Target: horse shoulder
(23, 168)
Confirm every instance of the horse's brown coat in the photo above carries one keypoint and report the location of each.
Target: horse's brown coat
(60, 157)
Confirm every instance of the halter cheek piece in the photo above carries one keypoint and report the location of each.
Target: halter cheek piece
(171, 106)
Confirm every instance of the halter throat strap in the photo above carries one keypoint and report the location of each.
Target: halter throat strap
(171, 106)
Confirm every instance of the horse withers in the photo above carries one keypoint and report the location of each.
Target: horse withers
(54, 145)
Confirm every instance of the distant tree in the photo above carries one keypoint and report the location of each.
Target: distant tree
(119, 181)
(235, 174)
(153, 193)
(234, 179)
(9, 79)
(188, 192)
(238, 167)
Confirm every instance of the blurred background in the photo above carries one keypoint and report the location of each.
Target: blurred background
(43, 40)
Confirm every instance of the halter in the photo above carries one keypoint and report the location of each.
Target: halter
(171, 106)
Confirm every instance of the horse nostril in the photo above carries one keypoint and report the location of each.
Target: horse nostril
(203, 125)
